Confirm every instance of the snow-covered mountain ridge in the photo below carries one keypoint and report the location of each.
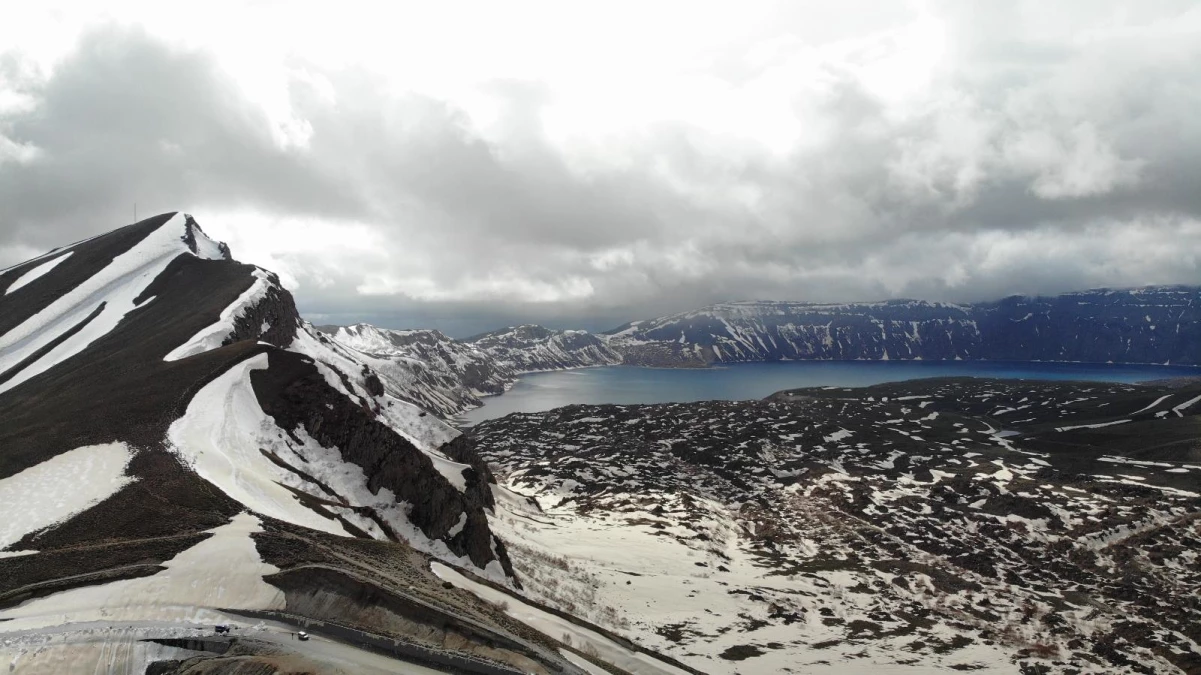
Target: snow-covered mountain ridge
(179, 446)
(1156, 324)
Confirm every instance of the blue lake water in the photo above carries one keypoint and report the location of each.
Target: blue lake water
(626, 384)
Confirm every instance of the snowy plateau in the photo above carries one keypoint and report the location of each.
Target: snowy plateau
(180, 450)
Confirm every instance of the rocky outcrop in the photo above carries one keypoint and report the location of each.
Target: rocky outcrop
(295, 394)
(195, 238)
(1148, 325)
(272, 319)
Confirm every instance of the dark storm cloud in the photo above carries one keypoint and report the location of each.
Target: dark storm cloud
(1037, 165)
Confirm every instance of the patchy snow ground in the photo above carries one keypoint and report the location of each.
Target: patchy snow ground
(644, 583)
(60, 487)
(739, 538)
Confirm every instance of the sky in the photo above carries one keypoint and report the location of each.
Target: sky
(470, 165)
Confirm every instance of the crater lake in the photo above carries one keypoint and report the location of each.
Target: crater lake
(742, 381)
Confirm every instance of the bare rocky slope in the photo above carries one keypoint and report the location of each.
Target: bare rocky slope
(179, 449)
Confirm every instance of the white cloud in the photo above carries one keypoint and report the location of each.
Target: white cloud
(1077, 164)
(631, 155)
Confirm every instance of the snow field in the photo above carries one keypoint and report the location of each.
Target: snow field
(219, 436)
(59, 488)
(665, 588)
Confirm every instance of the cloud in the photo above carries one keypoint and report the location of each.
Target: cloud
(951, 152)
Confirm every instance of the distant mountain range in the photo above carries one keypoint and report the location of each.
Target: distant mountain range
(529, 348)
(1156, 324)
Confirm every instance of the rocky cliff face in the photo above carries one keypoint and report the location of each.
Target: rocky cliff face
(296, 395)
(530, 348)
(1149, 325)
(1158, 324)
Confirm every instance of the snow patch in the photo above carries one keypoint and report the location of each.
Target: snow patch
(37, 272)
(1187, 404)
(1153, 404)
(458, 527)
(217, 438)
(1092, 426)
(60, 487)
(837, 436)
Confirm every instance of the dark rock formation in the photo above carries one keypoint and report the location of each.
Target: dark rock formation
(276, 311)
(294, 393)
